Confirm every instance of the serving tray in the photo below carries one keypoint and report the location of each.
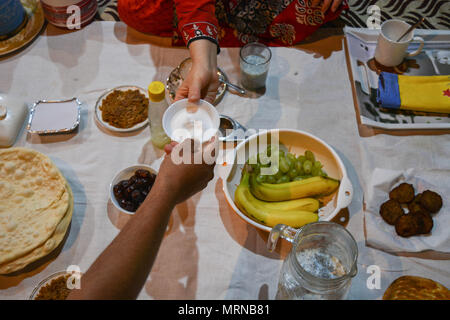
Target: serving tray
(433, 60)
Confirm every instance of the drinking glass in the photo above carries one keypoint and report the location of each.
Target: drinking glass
(254, 62)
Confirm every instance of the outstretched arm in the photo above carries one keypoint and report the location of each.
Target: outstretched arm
(122, 269)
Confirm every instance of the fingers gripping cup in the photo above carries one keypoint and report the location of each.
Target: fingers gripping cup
(390, 52)
(187, 120)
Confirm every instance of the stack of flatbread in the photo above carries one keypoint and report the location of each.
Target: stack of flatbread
(36, 206)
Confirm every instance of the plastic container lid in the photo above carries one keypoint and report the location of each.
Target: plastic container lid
(156, 91)
(12, 116)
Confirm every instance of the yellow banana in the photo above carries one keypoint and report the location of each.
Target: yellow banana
(310, 187)
(305, 204)
(269, 213)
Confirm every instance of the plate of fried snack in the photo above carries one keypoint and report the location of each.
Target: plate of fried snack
(36, 207)
(122, 109)
(410, 213)
(407, 211)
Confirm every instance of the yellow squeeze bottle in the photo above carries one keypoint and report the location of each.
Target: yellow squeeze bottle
(156, 108)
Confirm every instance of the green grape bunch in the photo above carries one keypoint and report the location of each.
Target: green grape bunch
(289, 167)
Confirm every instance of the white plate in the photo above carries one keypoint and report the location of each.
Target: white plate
(98, 112)
(296, 142)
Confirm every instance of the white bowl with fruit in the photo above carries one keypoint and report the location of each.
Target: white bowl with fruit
(308, 181)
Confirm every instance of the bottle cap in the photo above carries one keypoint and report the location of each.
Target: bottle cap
(156, 91)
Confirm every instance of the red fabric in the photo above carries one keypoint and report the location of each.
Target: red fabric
(148, 16)
(192, 11)
(237, 23)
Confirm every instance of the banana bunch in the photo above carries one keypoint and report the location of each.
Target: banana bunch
(294, 213)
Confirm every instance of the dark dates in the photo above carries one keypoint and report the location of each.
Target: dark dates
(132, 192)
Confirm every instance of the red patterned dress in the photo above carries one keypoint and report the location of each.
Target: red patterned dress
(230, 23)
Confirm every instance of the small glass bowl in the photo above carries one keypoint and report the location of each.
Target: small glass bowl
(45, 282)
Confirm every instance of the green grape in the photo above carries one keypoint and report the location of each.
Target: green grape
(290, 156)
(298, 178)
(316, 171)
(271, 179)
(307, 167)
(278, 175)
(302, 159)
(310, 156)
(261, 178)
(284, 179)
(298, 166)
(317, 164)
(289, 162)
(293, 173)
(284, 165)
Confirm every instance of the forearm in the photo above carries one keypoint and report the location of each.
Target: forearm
(122, 269)
(204, 53)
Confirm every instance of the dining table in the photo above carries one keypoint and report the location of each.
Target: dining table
(208, 251)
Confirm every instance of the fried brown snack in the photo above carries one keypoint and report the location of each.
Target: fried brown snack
(431, 201)
(407, 225)
(403, 193)
(424, 220)
(390, 211)
(414, 206)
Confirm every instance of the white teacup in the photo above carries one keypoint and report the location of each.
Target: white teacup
(389, 51)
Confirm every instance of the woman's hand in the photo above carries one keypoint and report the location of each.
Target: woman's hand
(202, 81)
(326, 4)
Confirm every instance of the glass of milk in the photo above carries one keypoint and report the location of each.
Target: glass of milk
(254, 62)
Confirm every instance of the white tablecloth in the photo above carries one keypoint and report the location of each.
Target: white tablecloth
(208, 251)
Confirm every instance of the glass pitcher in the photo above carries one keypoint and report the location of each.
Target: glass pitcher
(321, 263)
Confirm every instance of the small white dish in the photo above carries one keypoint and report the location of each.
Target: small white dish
(98, 112)
(126, 174)
(183, 120)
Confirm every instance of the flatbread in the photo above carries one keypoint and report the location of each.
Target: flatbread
(416, 288)
(48, 246)
(33, 200)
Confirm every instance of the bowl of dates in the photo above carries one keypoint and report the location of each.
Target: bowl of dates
(131, 186)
